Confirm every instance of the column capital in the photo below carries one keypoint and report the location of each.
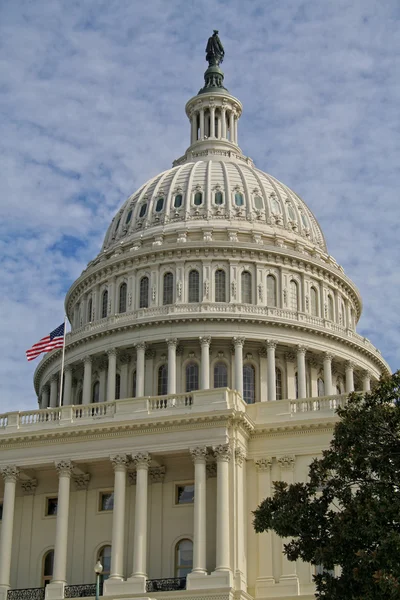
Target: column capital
(301, 349)
(112, 352)
(81, 481)
(172, 342)
(286, 462)
(119, 462)
(290, 356)
(349, 364)
(366, 374)
(142, 460)
(205, 340)
(199, 454)
(10, 473)
(262, 352)
(67, 369)
(149, 353)
(314, 362)
(87, 359)
(102, 364)
(29, 486)
(64, 467)
(54, 378)
(328, 356)
(125, 358)
(140, 346)
(211, 469)
(222, 452)
(263, 464)
(271, 344)
(239, 341)
(240, 455)
(157, 474)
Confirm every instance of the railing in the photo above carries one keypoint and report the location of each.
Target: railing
(26, 594)
(172, 401)
(100, 409)
(166, 585)
(317, 404)
(84, 590)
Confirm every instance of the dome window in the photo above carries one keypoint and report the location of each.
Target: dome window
(271, 291)
(159, 204)
(104, 304)
(278, 384)
(239, 200)
(304, 219)
(123, 290)
(194, 286)
(249, 384)
(258, 202)
(218, 198)
(128, 217)
(117, 225)
(192, 377)
(291, 212)
(314, 302)
(178, 201)
(162, 380)
(168, 288)
(144, 292)
(220, 286)
(246, 287)
(142, 211)
(275, 207)
(220, 375)
(198, 199)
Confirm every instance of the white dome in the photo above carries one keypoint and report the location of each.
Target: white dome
(218, 192)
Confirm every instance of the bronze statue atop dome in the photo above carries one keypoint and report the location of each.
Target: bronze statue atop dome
(215, 51)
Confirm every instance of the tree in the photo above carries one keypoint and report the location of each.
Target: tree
(346, 518)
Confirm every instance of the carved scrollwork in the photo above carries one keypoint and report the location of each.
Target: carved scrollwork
(157, 474)
(81, 481)
(263, 464)
(64, 468)
(10, 473)
(240, 455)
(286, 462)
(222, 452)
(119, 462)
(141, 460)
(199, 454)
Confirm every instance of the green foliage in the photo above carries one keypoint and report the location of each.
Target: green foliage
(348, 514)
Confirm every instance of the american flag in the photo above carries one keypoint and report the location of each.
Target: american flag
(54, 340)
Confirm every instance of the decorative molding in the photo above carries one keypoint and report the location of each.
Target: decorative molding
(157, 474)
(141, 460)
(286, 462)
(149, 353)
(132, 477)
(290, 357)
(10, 473)
(64, 468)
(173, 342)
(140, 346)
(205, 340)
(29, 486)
(301, 349)
(222, 452)
(240, 455)
(271, 344)
(119, 462)
(239, 341)
(81, 481)
(199, 454)
(263, 464)
(211, 469)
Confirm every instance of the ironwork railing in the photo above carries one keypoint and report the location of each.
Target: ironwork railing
(171, 584)
(26, 594)
(83, 590)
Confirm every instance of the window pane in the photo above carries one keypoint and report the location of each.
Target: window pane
(192, 377)
(106, 501)
(168, 291)
(96, 392)
(144, 292)
(105, 558)
(198, 199)
(184, 493)
(278, 383)
(275, 206)
(292, 214)
(89, 310)
(163, 380)
(159, 204)
(271, 290)
(48, 564)
(184, 558)
(249, 391)
(258, 202)
(117, 386)
(104, 304)
(246, 287)
(128, 217)
(178, 201)
(321, 387)
(218, 198)
(142, 211)
(220, 375)
(220, 286)
(294, 301)
(313, 299)
(51, 506)
(239, 201)
(122, 297)
(194, 286)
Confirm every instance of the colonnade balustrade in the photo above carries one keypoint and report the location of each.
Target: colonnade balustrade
(118, 363)
(137, 576)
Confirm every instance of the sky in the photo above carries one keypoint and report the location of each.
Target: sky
(92, 97)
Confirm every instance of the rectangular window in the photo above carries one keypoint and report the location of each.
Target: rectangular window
(1, 510)
(184, 493)
(106, 501)
(51, 506)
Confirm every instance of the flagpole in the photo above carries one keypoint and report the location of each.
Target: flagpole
(62, 363)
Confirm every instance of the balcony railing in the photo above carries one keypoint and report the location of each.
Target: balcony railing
(84, 590)
(166, 585)
(26, 594)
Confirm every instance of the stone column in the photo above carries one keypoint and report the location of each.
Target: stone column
(301, 371)
(241, 568)
(236, 130)
(200, 516)
(194, 128)
(263, 374)
(87, 380)
(55, 589)
(366, 381)
(67, 395)
(201, 123)
(10, 475)
(271, 346)
(111, 375)
(288, 576)
(102, 380)
(53, 391)
(140, 350)
(142, 461)
(223, 122)
(45, 397)
(205, 362)
(212, 121)
(314, 369)
(239, 343)
(124, 360)
(349, 377)
(119, 463)
(328, 374)
(265, 571)
(232, 126)
(171, 384)
(290, 358)
(223, 455)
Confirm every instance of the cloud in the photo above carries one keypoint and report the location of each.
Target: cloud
(92, 99)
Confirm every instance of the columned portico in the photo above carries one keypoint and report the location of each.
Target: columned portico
(223, 572)
(199, 524)
(205, 362)
(53, 391)
(119, 463)
(10, 476)
(366, 381)
(138, 578)
(45, 397)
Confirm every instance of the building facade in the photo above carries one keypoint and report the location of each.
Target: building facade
(211, 340)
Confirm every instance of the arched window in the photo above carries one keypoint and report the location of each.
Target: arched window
(89, 310)
(128, 217)
(246, 287)
(162, 380)
(249, 384)
(271, 290)
(104, 556)
(278, 384)
(123, 288)
(142, 210)
(159, 204)
(47, 570)
(304, 219)
(117, 386)
(220, 286)
(239, 200)
(198, 199)
(117, 225)
(258, 202)
(292, 214)
(275, 206)
(314, 301)
(96, 392)
(168, 288)
(194, 286)
(134, 384)
(178, 201)
(342, 315)
(192, 377)
(144, 292)
(294, 295)
(218, 198)
(220, 375)
(321, 387)
(183, 558)
(104, 304)
(330, 308)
